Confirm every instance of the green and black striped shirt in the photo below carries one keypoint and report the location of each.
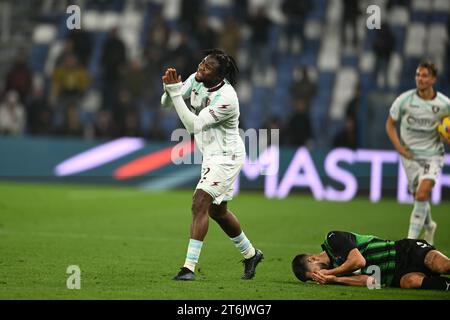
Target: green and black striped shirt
(376, 251)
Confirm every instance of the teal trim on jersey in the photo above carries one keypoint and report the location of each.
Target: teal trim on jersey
(215, 99)
(196, 85)
(445, 102)
(402, 104)
(188, 93)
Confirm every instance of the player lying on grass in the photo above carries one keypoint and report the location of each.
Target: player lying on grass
(346, 259)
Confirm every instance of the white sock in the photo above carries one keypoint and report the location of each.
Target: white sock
(430, 226)
(417, 219)
(244, 245)
(428, 218)
(193, 253)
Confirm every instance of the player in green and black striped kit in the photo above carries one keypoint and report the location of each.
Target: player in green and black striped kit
(347, 258)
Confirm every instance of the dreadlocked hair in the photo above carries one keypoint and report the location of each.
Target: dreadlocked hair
(227, 65)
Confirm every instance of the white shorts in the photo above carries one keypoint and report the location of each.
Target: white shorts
(422, 169)
(218, 176)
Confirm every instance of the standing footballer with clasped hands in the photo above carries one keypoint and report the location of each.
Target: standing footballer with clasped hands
(214, 122)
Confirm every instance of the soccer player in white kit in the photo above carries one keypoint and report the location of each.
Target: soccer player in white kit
(421, 146)
(214, 122)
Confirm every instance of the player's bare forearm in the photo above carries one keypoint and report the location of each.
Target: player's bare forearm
(359, 280)
(356, 280)
(391, 131)
(355, 261)
(346, 267)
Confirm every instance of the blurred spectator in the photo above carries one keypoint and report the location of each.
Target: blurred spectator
(240, 10)
(260, 25)
(189, 13)
(347, 137)
(100, 5)
(182, 57)
(273, 123)
(204, 35)
(74, 127)
(230, 37)
(298, 130)
(66, 51)
(19, 78)
(349, 19)
(391, 3)
(103, 125)
(39, 115)
(383, 47)
(12, 115)
(131, 128)
(156, 132)
(113, 62)
(157, 44)
(135, 80)
(351, 109)
(69, 83)
(123, 113)
(82, 46)
(296, 12)
(303, 88)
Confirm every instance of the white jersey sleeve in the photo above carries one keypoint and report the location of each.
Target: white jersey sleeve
(398, 103)
(444, 100)
(166, 101)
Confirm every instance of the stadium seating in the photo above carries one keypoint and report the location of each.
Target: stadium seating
(419, 29)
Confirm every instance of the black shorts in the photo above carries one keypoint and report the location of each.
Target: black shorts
(410, 257)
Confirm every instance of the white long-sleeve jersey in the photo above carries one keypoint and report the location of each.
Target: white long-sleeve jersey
(214, 119)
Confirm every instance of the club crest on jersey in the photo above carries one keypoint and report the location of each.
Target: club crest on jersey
(435, 109)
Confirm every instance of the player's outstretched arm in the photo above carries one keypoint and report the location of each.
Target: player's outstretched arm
(355, 261)
(391, 131)
(356, 280)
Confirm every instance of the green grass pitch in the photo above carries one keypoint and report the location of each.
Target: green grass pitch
(129, 244)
